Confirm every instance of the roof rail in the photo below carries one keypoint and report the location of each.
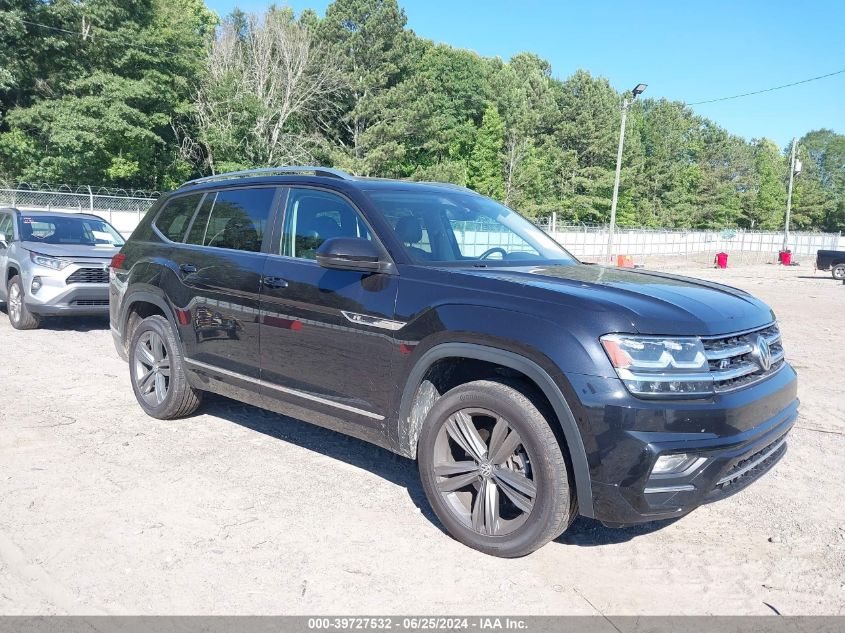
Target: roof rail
(326, 172)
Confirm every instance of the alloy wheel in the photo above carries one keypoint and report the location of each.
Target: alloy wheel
(483, 472)
(152, 368)
(15, 302)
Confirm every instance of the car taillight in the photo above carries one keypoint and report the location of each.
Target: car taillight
(117, 261)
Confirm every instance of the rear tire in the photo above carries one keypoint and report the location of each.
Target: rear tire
(19, 315)
(157, 371)
(502, 494)
(838, 272)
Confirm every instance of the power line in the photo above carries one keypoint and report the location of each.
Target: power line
(102, 31)
(757, 92)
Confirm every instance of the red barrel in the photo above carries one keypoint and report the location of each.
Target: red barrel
(722, 260)
(785, 257)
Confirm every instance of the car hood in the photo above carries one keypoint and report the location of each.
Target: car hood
(653, 302)
(101, 251)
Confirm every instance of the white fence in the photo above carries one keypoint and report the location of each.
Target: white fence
(122, 208)
(125, 208)
(589, 243)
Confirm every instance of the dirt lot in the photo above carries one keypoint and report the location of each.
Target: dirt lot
(103, 510)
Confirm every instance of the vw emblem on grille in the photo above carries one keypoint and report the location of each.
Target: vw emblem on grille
(762, 353)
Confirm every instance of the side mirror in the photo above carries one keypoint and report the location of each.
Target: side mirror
(3, 242)
(351, 253)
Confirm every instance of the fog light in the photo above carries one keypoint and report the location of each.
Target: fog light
(36, 284)
(676, 463)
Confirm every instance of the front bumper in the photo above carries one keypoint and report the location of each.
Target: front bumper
(739, 436)
(57, 297)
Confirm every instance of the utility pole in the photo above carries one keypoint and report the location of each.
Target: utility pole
(792, 173)
(640, 88)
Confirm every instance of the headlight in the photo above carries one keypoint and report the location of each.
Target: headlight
(660, 365)
(49, 262)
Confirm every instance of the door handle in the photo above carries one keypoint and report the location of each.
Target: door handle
(274, 282)
(188, 269)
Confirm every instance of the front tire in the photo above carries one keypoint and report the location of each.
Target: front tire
(838, 272)
(493, 470)
(156, 368)
(19, 315)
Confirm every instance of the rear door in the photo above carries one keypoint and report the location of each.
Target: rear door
(219, 280)
(327, 339)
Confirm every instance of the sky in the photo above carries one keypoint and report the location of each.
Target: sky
(685, 50)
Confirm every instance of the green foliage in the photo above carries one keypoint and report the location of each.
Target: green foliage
(128, 93)
(100, 102)
(767, 205)
(819, 191)
(485, 160)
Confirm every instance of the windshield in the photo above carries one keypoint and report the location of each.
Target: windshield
(461, 227)
(70, 230)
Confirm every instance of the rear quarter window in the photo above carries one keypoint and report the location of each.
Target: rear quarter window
(235, 219)
(173, 220)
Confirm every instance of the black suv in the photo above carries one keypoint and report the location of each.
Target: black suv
(443, 326)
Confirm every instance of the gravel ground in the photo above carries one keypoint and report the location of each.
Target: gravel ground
(239, 511)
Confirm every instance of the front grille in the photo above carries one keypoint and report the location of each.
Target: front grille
(735, 360)
(91, 302)
(89, 276)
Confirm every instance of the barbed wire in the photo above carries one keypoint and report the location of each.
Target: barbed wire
(80, 190)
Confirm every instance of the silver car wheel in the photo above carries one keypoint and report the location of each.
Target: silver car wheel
(152, 368)
(15, 302)
(484, 472)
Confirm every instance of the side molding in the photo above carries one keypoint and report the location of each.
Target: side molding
(525, 366)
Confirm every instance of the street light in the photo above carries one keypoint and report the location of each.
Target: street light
(638, 90)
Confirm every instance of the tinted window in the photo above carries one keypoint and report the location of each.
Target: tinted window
(196, 230)
(314, 216)
(174, 219)
(79, 231)
(236, 219)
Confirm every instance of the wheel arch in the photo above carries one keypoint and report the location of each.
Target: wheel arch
(144, 303)
(516, 362)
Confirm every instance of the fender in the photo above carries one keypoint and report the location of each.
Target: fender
(533, 371)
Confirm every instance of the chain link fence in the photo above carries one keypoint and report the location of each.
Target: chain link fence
(123, 208)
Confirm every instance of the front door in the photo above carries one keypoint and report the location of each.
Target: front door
(220, 267)
(327, 336)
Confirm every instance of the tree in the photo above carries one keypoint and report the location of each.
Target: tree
(100, 101)
(819, 191)
(264, 79)
(768, 204)
(485, 161)
(369, 40)
(587, 123)
(431, 117)
(665, 191)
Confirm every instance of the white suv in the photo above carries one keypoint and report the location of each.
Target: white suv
(54, 263)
